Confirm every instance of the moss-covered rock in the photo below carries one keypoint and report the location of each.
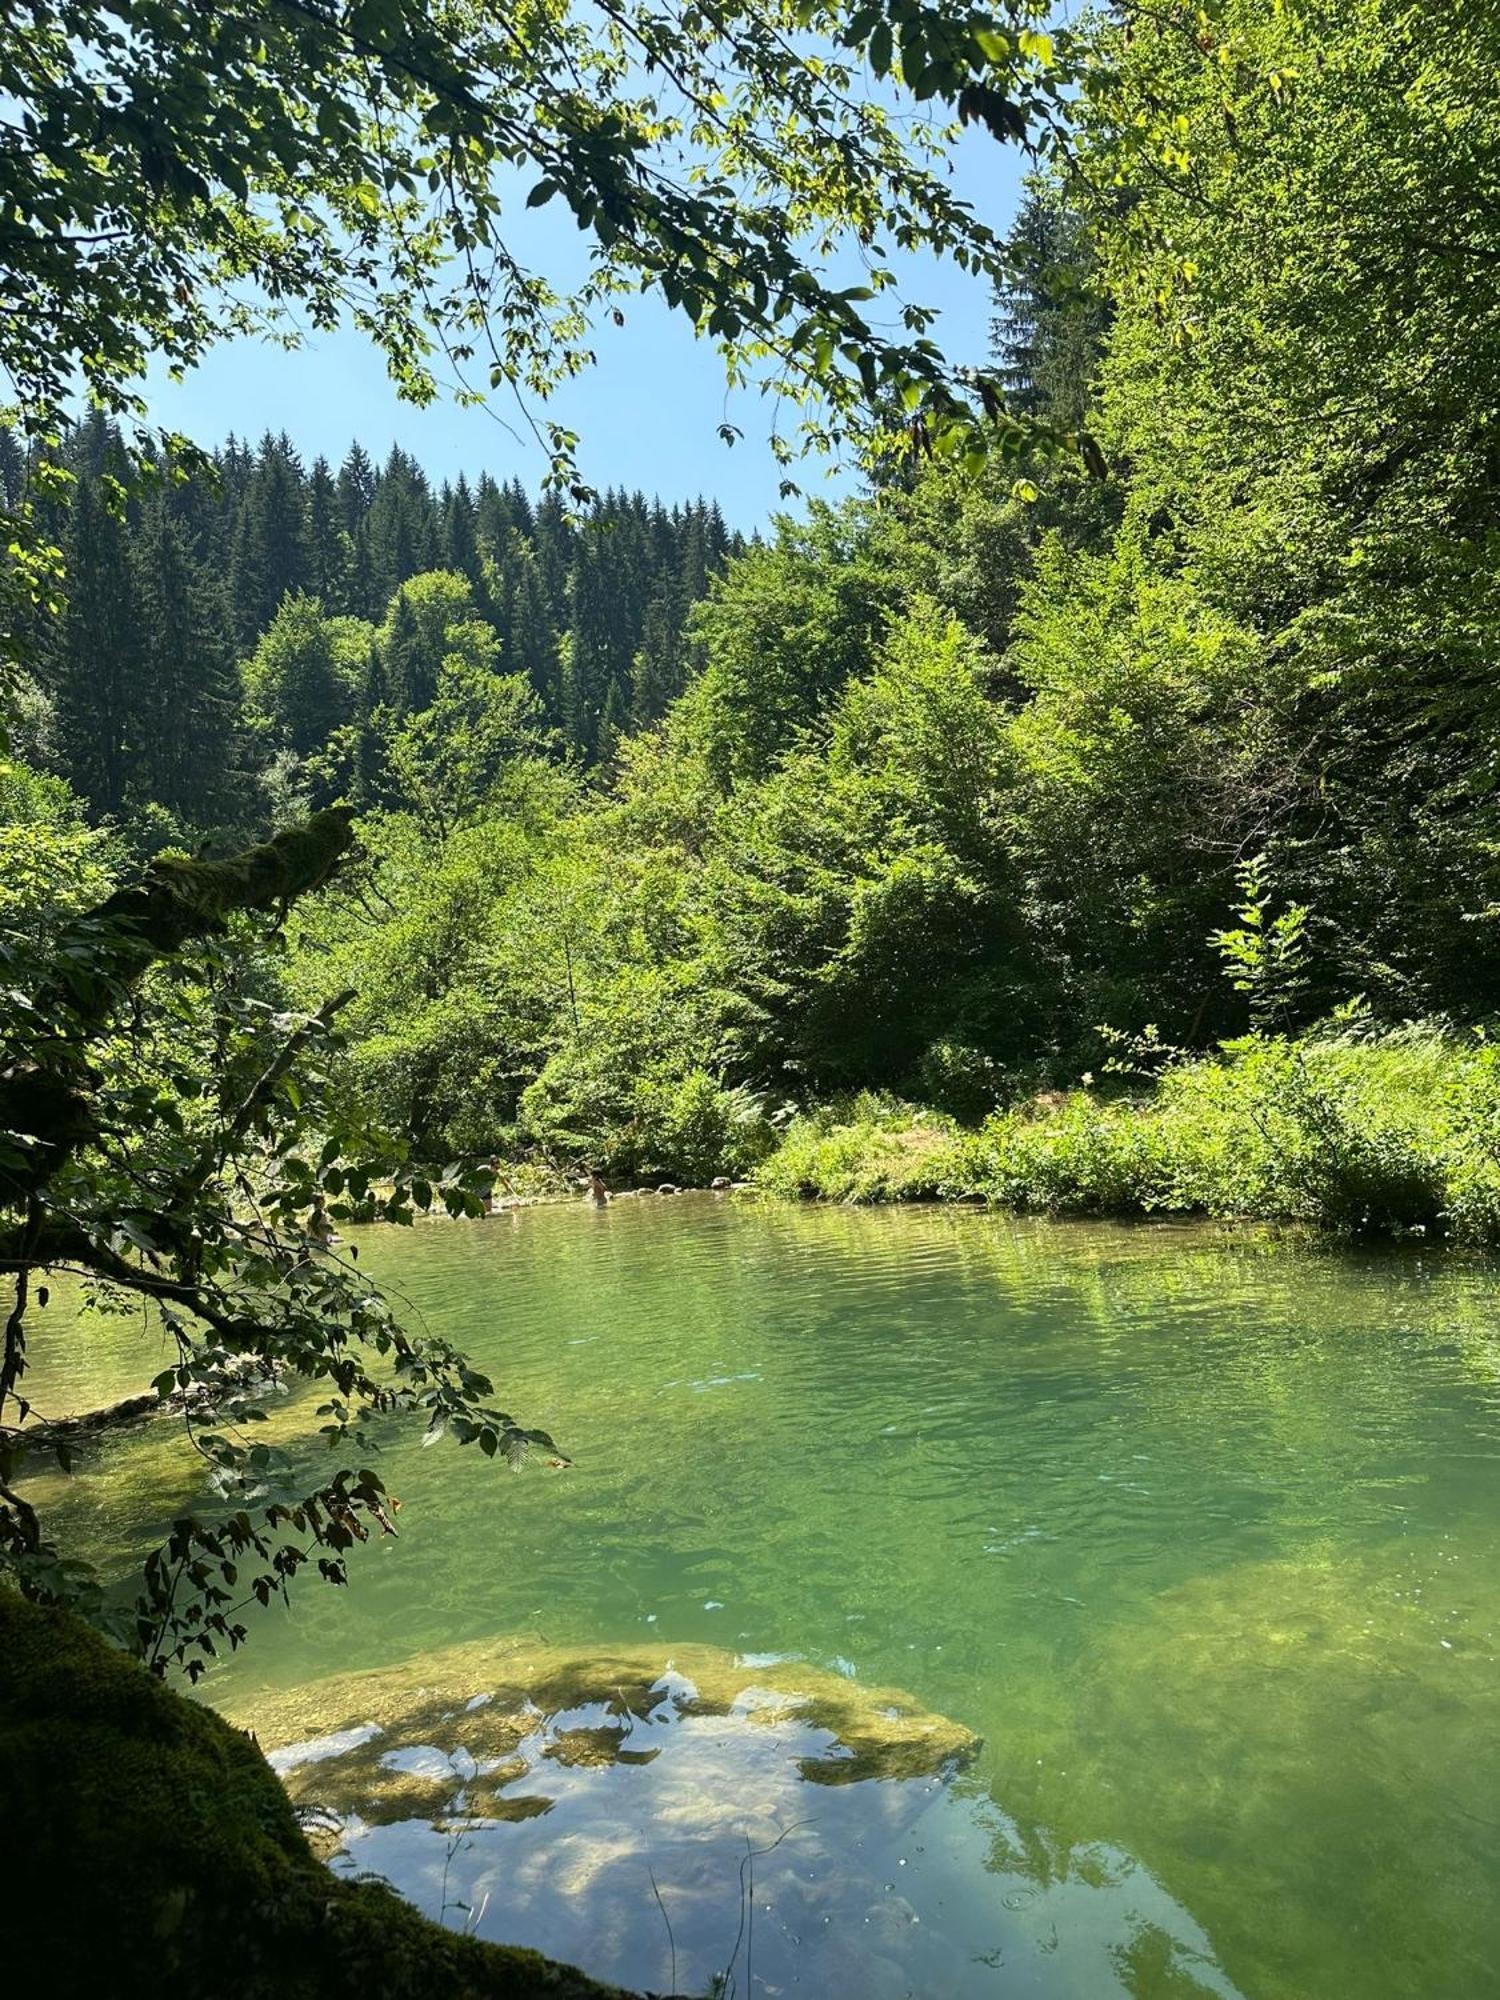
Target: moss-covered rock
(341, 1742)
(622, 1806)
(151, 1850)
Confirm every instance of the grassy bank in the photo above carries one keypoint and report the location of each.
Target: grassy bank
(1392, 1136)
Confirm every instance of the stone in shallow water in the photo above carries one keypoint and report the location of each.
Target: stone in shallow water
(378, 1744)
(666, 1819)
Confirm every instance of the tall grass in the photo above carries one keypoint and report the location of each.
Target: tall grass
(1394, 1135)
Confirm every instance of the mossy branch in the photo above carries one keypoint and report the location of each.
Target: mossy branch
(101, 956)
(177, 901)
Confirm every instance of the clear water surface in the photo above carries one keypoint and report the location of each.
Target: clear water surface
(1198, 1532)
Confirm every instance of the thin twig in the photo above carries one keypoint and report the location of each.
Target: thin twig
(671, 1941)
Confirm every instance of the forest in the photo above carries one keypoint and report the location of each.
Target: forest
(1091, 812)
(231, 633)
(978, 797)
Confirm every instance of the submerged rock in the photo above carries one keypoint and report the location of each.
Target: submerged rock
(241, 1375)
(460, 1728)
(703, 1822)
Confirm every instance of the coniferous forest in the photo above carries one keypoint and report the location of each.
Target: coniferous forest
(971, 787)
(237, 636)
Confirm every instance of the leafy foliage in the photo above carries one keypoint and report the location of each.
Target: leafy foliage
(169, 1133)
(1391, 1136)
(170, 177)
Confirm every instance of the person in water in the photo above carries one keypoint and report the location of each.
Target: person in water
(492, 1196)
(319, 1226)
(598, 1192)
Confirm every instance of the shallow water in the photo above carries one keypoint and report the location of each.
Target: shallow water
(1198, 1533)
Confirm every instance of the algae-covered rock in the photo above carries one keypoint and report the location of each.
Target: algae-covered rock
(467, 1724)
(622, 1806)
(150, 1850)
(687, 1819)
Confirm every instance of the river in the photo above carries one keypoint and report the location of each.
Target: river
(1197, 1532)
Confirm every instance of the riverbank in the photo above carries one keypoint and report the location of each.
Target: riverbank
(1393, 1137)
(167, 1832)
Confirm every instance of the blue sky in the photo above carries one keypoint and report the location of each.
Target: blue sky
(648, 414)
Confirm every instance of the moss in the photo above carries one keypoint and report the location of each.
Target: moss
(180, 899)
(151, 1848)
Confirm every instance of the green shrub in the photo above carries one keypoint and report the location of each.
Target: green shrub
(1392, 1136)
(657, 1124)
(866, 1148)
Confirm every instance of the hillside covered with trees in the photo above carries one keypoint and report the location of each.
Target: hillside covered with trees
(1092, 811)
(951, 791)
(240, 634)
(1095, 811)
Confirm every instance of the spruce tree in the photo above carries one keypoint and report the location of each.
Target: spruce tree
(372, 724)
(269, 554)
(1050, 321)
(460, 540)
(356, 485)
(658, 667)
(184, 746)
(96, 678)
(401, 526)
(612, 721)
(404, 667)
(328, 545)
(552, 539)
(12, 467)
(494, 525)
(530, 639)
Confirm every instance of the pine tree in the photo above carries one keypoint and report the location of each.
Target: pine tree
(269, 552)
(189, 698)
(97, 679)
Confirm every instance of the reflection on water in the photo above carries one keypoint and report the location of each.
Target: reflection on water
(778, 1829)
(1198, 1533)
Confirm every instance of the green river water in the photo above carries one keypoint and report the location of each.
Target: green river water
(1197, 1532)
